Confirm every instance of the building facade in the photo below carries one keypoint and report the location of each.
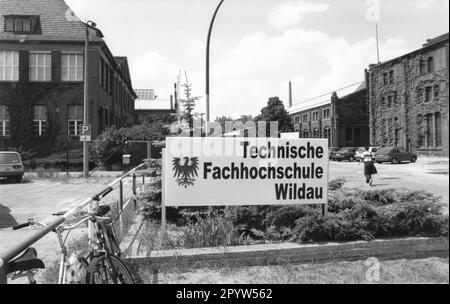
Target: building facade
(343, 120)
(149, 106)
(408, 99)
(42, 77)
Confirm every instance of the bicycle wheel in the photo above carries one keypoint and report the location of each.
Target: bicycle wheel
(108, 270)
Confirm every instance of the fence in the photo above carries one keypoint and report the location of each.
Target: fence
(120, 195)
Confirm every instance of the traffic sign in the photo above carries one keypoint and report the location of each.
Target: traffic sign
(86, 133)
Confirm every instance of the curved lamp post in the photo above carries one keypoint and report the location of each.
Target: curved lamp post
(207, 62)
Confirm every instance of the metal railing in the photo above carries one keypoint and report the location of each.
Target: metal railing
(15, 251)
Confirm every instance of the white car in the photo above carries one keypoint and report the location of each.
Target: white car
(359, 153)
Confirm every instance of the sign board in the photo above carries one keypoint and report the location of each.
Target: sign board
(86, 133)
(245, 171)
(126, 159)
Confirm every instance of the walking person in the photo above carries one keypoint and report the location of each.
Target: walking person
(369, 167)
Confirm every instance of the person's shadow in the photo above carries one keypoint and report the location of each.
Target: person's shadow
(6, 219)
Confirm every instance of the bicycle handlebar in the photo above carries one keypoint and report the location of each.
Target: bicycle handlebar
(20, 226)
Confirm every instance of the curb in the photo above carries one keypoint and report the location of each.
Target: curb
(276, 254)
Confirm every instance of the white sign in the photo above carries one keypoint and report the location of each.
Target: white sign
(245, 171)
(291, 135)
(86, 133)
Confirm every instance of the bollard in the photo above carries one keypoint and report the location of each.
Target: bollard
(134, 184)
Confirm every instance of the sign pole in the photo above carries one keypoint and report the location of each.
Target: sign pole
(163, 198)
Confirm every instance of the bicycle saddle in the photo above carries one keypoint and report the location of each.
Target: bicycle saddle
(27, 261)
(103, 210)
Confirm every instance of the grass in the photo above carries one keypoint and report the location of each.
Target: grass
(423, 271)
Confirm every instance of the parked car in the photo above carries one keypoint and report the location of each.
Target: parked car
(394, 156)
(11, 166)
(359, 153)
(332, 150)
(347, 153)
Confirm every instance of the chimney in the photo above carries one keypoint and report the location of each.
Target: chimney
(290, 94)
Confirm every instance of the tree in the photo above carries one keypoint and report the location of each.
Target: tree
(189, 103)
(275, 111)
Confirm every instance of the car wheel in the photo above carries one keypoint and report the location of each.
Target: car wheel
(413, 159)
(394, 161)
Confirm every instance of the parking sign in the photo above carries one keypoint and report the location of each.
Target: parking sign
(86, 133)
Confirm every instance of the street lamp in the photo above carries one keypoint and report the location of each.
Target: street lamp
(207, 64)
(93, 25)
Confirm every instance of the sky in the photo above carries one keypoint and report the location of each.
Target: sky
(258, 46)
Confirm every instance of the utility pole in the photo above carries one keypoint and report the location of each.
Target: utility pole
(208, 42)
(85, 104)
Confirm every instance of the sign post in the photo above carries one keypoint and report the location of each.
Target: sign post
(163, 199)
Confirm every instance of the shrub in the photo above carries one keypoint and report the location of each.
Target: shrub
(211, 231)
(285, 217)
(336, 184)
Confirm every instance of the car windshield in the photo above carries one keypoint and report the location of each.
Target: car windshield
(9, 158)
(361, 150)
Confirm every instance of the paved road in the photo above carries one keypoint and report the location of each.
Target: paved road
(431, 176)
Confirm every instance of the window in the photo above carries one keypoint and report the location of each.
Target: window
(430, 65)
(72, 67)
(4, 120)
(297, 119)
(438, 128)
(385, 78)
(305, 134)
(21, 24)
(305, 118)
(391, 77)
(315, 116)
(430, 131)
(316, 133)
(422, 67)
(428, 94)
(40, 66)
(75, 119)
(326, 113)
(437, 91)
(40, 123)
(9, 66)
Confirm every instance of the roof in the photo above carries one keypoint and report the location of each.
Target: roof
(326, 98)
(429, 44)
(158, 104)
(146, 94)
(57, 21)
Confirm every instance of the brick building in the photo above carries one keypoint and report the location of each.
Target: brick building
(343, 120)
(42, 77)
(408, 99)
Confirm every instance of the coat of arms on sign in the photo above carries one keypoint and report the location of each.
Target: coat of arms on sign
(185, 170)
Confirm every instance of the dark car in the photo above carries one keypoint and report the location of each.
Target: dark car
(347, 153)
(332, 150)
(394, 155)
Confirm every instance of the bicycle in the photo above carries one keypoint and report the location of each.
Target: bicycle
(101, 265)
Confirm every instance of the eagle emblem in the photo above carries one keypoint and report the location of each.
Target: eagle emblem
(185, 170)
